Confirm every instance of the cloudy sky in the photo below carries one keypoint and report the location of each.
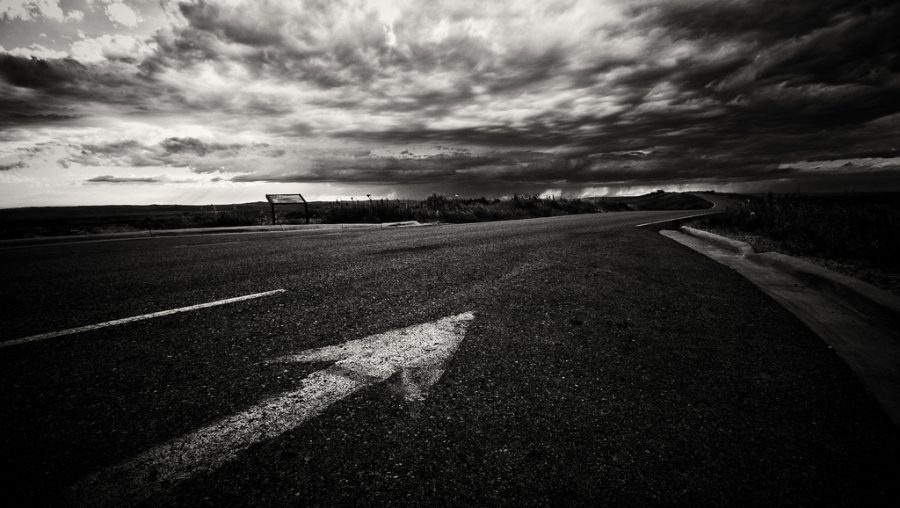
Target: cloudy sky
(202, 101)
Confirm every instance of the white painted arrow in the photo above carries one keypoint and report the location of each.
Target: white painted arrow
(418, 353)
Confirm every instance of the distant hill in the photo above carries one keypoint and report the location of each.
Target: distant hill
(660, 201)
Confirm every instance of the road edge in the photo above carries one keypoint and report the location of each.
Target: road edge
(45, 240)
(854, 290)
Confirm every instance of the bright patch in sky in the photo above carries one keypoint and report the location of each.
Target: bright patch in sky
(121, 14)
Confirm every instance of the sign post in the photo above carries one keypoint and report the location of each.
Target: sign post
(287, 199)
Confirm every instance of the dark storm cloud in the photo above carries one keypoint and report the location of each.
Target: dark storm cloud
(12, 165)
(767, 19)
(500, 135)
(514, 168)
(119, 179)
(115, 148)
(807, 66)
(370, 169)
(546, 94)
(801, 80)
(43, 79)
(256, 39)
(35, 90)
(21, 113)
(41, 74)
(174, 151)
(350, 56)
(193, 146)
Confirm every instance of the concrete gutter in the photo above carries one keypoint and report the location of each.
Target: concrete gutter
(742, 248)
(854, 290)
(42, 240)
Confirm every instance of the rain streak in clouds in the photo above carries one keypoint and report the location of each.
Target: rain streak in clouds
(109, 101)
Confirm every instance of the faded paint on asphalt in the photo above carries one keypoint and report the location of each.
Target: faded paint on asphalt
(417, 352)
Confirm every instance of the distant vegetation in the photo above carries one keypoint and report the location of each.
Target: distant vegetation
(853, 227)
(439, 208)
(52, 221)
(75, 220)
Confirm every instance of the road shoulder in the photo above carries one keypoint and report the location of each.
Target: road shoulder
(855, 319)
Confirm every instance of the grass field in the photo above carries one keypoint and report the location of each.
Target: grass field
(53, 221)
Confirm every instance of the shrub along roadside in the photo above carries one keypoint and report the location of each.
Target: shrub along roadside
(853, 227)
(455, 210)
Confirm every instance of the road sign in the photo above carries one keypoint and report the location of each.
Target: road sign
(417, 353)
(287, 199)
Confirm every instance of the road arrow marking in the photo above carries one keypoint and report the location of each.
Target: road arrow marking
(418, 353)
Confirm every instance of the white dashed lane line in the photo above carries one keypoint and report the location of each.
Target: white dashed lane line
(87, 328)
(672, 219)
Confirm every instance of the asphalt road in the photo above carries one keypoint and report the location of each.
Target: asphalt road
(605, 365)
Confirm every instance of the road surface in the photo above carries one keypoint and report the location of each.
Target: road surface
(602, 364)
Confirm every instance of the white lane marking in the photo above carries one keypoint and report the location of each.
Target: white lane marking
(671, 219)
(419, 353)
(86, 328)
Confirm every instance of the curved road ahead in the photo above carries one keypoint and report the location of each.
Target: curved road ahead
(601, 364)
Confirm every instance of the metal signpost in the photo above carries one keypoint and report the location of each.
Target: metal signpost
(287, 199)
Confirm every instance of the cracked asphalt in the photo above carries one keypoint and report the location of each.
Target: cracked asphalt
(605, 365)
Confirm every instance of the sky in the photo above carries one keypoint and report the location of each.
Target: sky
(202, 101)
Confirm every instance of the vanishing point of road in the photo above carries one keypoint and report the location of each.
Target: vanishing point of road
(602, 364)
